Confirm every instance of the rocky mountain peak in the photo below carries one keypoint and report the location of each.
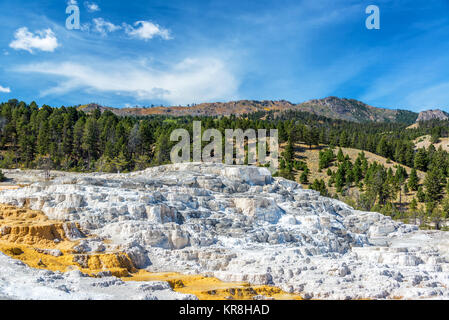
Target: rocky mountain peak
(432, 115)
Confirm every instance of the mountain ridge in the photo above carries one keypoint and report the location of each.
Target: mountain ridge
(330, 107)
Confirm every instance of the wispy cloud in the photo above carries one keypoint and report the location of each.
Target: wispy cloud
(142, 30)
(102, 26)
(5, 90)
(191, 80)
(147, 30)
(44, 40)
(92, 6)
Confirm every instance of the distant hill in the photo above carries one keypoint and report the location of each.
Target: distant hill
(355, 111)
(203, 109)
(432, 115)
(331, 107)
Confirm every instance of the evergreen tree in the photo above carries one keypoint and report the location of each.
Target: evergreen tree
(90, 139)
(320, 186)
(340, 178)
(43, 138)
(434, 184)
(413, 180)
(304, 179)
(340, 155)
(421, 195)
(121, 162)
(413, 213)
(436, 217)
(162, 150)
(421, 160)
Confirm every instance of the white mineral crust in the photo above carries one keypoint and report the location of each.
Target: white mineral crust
(18, 281)
(238, 223)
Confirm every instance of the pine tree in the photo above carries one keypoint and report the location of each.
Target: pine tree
(421, 160)
(406, 190)
(413, 213)
(90, 139)
(162, 150)
(383, 148)
(434, 184)
(320, 186)
(413, 180)
(43, 138)
(304, 179)
(340, 179)
(142, 162)
(134, 140)
(421, 195)
(67, 136)
(445, 207)
(289, 153)
(437, 217)
(121, 162)
(340, 155)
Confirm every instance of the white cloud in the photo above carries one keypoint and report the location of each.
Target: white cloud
(92, 6)
(147, 30)
(102, 26)
(72, 2)
(5, 90)
(44, 40)
(191, 80)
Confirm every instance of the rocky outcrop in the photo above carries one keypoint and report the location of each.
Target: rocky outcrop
(432, 115)
(238, 223)
(355, 111)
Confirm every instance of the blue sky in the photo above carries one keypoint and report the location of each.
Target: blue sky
(181, 52)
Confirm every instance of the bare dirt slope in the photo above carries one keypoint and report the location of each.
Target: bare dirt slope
(424, 142)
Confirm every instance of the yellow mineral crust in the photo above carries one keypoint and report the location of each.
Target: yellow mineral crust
(29, 236)
(9, 187)
(210, 288)
(24, 226)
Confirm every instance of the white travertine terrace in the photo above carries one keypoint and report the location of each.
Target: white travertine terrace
(238, 223)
